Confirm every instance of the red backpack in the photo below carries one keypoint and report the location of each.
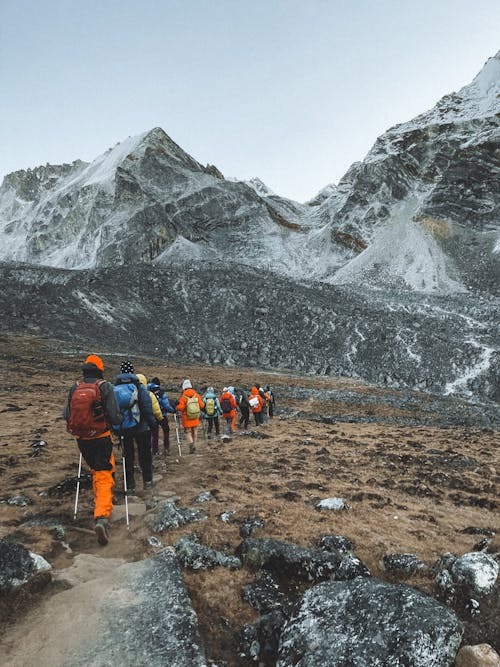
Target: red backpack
(86, 413)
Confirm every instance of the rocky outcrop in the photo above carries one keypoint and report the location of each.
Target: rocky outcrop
(112, 613)
(466, 577)
(295, 562)
(367, 623)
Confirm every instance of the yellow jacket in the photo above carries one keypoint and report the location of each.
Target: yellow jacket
(156, 406)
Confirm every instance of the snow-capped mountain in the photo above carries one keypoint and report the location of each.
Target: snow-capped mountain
(391, 275)
(421, 211)
(146, 200)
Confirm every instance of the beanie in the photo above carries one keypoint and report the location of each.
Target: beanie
(97, 361)
(187, 385)
(127, 367)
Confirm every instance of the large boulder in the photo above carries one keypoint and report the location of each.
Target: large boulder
(368, 623)
(130, 614)
(471, 575)
(296, 562)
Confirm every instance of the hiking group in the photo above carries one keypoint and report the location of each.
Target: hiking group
(134, 411)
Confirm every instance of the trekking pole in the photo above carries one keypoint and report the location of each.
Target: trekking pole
(177, 434)
(124, 482)
(78, 486)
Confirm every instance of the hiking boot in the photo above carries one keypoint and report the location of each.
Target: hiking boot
(147, 485)
(130, 492)
(101, 530)
(192, 449)
(167, 451)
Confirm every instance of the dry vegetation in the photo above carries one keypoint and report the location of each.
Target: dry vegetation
(411, 489)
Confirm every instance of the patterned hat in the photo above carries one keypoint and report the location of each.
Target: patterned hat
(127, 367)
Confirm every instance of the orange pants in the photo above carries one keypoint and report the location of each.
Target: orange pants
(102, 484)
(98, 454)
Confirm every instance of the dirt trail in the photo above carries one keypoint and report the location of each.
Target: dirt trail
(411, 489)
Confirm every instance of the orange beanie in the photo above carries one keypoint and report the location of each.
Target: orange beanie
(97, 361)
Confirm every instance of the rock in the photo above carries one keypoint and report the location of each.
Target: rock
(293, 561)
(168, 515)
(265, 595)
(68, 486)
(226, 516)
(481, 655)
(22, 574)
(259, 640)
(369, 623)
(18, 565)
(51, 523)
(19, 501)
(204, 497)
(135, 614)
(249, 525)
(332, 504)
(196, 556)
(37, 448)
(473, 574)
(154, 542)
(335, 543)
(406, 564)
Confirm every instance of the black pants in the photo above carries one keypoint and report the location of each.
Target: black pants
(271, 410)
(211, 422)
(259, 419)
(97, 452)
(245, 416)
(143, 441)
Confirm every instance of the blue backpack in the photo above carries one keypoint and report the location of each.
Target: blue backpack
(127, 397)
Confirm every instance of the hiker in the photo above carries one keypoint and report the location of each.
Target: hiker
(211, 411)
(228, 404)
(158, 414)
(255, 401)
(244, 407)
(166, 409)
(265, 403)
(90, 410)
(136, 427)
(271, 402)
(190, 406)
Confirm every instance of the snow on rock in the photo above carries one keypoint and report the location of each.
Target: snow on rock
(368, 623)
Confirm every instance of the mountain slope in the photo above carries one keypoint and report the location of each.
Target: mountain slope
(438, 173)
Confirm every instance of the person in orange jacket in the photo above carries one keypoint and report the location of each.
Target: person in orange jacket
(256, 403)
(190, 406)
(90, 410)
(228, 404)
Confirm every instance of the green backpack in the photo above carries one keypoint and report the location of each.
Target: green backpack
(192, 407)
(210, 407)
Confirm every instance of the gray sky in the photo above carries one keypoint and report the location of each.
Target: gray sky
(290, 91)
